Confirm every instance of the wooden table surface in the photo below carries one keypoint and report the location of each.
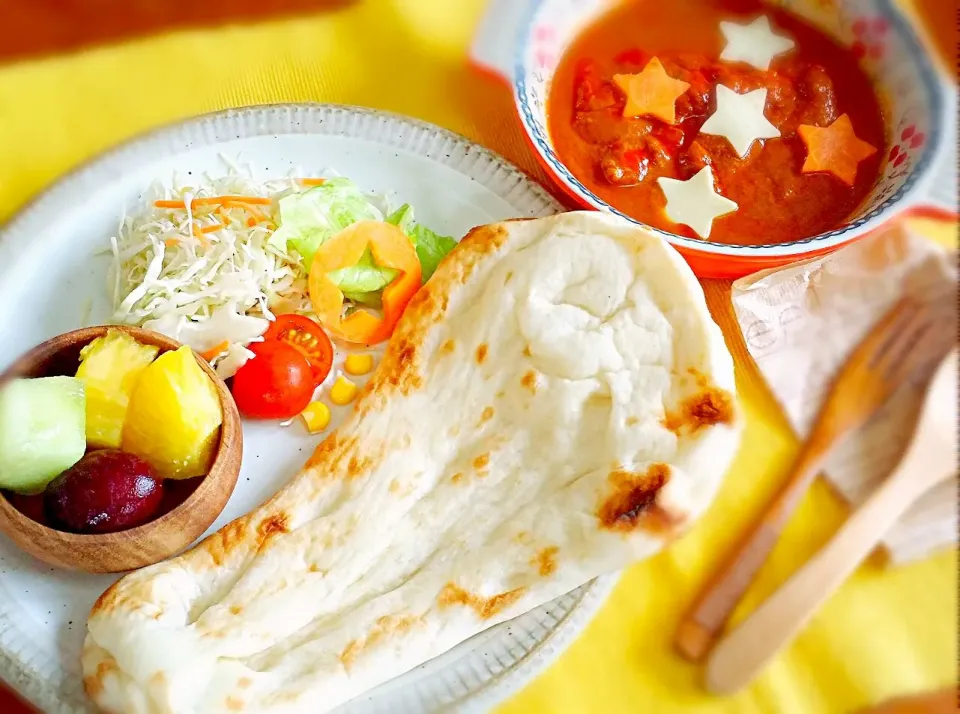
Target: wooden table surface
(43, 27)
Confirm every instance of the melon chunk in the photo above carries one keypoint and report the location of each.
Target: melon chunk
(42, 431)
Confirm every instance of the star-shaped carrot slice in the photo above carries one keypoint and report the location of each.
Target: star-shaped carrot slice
(651, 93)
(834, 149)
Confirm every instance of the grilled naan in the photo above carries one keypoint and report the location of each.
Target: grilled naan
(555, 403)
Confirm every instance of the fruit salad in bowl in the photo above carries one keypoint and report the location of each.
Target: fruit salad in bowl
(106, 432)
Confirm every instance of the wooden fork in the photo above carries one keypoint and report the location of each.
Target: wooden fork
(877, 367)
(930, 458)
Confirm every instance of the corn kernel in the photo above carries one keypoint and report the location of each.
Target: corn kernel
(343, 391)
(358, 364)
(316, 416)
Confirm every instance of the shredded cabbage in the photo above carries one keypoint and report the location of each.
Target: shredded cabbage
(219, 286)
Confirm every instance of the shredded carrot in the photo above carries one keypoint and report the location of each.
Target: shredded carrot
(214, 351)
(251, 221)
(198, 233)
(252, 210)
(214, 201)
(223, 214)
(312, 181)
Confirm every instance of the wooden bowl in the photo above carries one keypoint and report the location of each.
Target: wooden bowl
(153, 541)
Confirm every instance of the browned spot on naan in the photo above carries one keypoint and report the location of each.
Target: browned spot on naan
(224, 541)
(340, 456)
(482, 353)
(93, 684)
(632, 421)
(109, 599)
(394, 486)
(358, 465)
(529, 381)
(234, 704)
(430, 301)
(276, 524)
(447, 347)
(244, 682)
(632, 506)
(546, 560)
(400, 369)
(327, 450)
(710, 405)
(457, 477)
(713, 406)
(474, 247)
(235, 609)
(485, 607)
(526, 351)
(486, 415)
(481, 462)
(522, 537)
(384, 627)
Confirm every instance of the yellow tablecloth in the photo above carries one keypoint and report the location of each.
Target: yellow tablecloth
(884, 633)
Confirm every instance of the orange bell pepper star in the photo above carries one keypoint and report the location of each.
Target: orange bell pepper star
(834, 149)
(390, 248)
(651, 93)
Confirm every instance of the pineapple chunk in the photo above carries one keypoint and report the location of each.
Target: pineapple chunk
(109, 369)
(174, 417)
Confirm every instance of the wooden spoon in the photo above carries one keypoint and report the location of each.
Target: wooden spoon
(877, 367)
(930, 458)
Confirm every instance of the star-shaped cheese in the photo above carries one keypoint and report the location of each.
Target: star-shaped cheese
(651, 93)
(739, 117)
(834, 149)
(694, 202)
(754, 43)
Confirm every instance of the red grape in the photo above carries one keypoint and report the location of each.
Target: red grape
(105, 491)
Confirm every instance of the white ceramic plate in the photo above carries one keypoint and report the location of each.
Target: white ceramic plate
(52, 281)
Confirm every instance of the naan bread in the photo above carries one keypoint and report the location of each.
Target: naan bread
(555, 404)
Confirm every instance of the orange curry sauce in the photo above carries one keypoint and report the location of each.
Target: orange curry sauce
(619, 158)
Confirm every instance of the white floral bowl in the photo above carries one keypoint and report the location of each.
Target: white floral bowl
(916, 102)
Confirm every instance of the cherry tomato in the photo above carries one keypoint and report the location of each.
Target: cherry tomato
(308, 338)
(277, 383)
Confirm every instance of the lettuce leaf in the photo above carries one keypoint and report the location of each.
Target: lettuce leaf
(363, 282)
(431, 249)
(309, 218)
(403, 219)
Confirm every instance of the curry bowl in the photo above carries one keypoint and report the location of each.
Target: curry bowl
(189, 508)
(908, 91)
